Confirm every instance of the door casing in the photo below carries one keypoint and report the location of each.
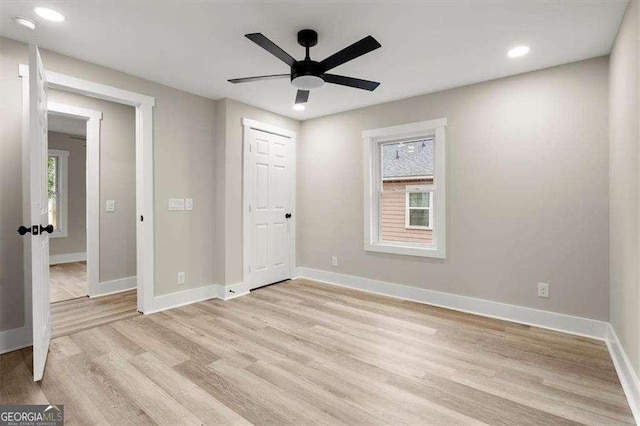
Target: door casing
(247, 125)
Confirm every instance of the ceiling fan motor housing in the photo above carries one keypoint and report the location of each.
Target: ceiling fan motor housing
(307, 75)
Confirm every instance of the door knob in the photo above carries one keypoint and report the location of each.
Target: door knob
(48, 228)
(23, 230)
(287, 215)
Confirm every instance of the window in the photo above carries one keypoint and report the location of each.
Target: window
(404, 194)
(418, 212)
(57, 173)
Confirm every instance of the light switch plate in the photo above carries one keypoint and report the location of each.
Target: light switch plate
(111, 205)
(176, 204)
(188, 203)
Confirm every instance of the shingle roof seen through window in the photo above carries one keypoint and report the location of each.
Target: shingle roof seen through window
(408, 159)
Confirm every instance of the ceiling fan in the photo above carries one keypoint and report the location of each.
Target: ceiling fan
(308, 74)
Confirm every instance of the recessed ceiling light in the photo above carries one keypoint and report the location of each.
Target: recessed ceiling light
(518, 51)
(24, 22)
(49, 14)
(298, 107)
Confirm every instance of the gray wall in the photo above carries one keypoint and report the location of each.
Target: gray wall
(76, 239)
(229, 181)
(527, 191)
(623, 187)
(183, 155)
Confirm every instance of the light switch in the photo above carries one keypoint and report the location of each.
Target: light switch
(176, 204)
(188, 203)
(111, 205)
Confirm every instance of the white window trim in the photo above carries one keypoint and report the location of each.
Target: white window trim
(412, 189)
(62, 170)
(372, 208)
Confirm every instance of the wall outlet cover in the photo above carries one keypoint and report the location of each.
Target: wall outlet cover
(543, 290)
(334, 261)
(181, 277)
(111, 205)
(188, 203)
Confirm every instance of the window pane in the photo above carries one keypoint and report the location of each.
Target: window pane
(52, 186)
(393, 226)
(419, 199)
(405, 160)
(419, 217)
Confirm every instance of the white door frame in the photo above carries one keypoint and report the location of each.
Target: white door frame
(92, 119)
(247, 125)
(144, 174)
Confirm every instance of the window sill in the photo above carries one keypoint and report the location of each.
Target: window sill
(431, 252)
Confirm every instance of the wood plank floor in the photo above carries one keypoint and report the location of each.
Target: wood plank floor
(307, 353)
(68, 281)
(83, 313)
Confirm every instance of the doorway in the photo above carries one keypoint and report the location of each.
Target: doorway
(66, 190)
(269, 204)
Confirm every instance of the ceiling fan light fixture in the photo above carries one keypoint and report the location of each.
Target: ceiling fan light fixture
(307, 82)
(299, 107)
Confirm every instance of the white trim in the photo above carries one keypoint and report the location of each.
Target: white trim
(14, 339)
(186, 297)
(231, 291)
(247, 125)
(144, 170)
(92, 173)
(115, 286)
(62, 196)
(371, 140)
(544, 319)
(626, 373)
(57, 259)
(68, 83)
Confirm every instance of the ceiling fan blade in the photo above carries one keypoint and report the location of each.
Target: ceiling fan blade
(351, 82)
(357, 49)
(271, 47)
(302, 96)
(258, 78)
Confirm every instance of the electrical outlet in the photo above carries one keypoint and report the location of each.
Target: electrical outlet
(334, 261)
(111, 206)
(181, 278)
(188, 203)
(543, 290)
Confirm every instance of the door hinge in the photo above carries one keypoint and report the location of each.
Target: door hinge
(250, 147)
(249, 208)
(141, 218)
(249, 268)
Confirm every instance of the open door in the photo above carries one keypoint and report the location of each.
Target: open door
(38, 205)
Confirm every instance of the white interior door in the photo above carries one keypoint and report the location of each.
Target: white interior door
(270, 159)
(39, 209)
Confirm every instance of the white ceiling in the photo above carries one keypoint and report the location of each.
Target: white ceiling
(427, 46)
(69, 125)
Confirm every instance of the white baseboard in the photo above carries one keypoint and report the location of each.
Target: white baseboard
(544, 319)
(56, 259)
(115, 286)
(626, 373)
(16, 338)
(231, 291)
(186, 297)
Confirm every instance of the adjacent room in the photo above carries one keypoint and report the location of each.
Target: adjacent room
(319, 212)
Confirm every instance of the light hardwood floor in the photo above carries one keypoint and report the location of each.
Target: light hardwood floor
(71, 316)
(68, 281)
(307, 353)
